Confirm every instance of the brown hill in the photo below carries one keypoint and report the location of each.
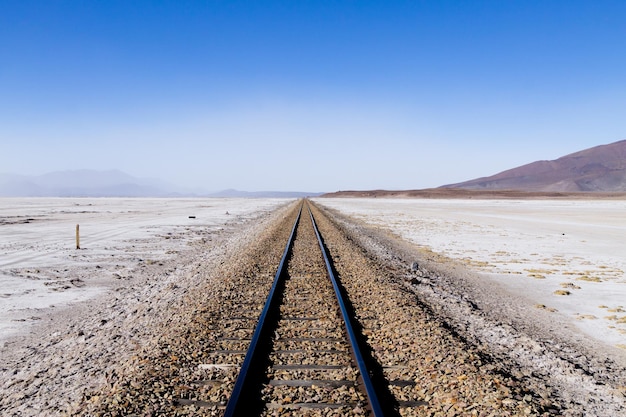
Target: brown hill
(456, 193)
(598, 169)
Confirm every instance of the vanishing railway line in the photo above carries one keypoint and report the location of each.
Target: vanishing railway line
(230, 350)
(305, 339)
(306, 354)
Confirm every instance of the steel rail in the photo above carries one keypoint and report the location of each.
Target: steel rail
(372, 396)
(234, 407)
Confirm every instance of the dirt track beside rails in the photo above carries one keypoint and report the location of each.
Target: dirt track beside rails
(573, 375)
(469, 352)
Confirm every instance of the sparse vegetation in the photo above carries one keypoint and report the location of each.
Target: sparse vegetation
(540, 271)
(586, 317)
(589, 279)
(544, 307)
(477, 264)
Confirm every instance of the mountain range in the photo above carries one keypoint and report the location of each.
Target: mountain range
(601, 169)
(113, 183)
(598, 169)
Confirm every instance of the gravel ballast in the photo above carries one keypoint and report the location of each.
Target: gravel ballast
(165, 342)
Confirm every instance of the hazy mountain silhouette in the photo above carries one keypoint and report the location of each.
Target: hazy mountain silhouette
(84, 183)
(113, 183)
(263, 194)
(598, 169)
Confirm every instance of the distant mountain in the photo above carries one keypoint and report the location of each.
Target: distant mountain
(84, 183)
(114, 183)
(230, 193)
(598, 169)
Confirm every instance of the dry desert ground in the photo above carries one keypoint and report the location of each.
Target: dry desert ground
(42, 272)
(538, 284)
(566, 257)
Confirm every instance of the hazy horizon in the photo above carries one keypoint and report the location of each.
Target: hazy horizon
(116, 183)
(253, 96)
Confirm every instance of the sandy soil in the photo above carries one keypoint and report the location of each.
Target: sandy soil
(463, 194)
(564, 257)
(141, 258)
(585, 377)
(42, 272)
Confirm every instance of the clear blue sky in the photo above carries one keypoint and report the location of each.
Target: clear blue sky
(263, 95)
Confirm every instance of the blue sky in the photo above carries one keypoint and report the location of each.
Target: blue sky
(307, 95)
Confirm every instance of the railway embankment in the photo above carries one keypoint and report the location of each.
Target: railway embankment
(170, 342)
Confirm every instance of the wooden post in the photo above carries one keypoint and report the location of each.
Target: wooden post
(77, 238)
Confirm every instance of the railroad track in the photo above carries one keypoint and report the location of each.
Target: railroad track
(215, 359)
(305, 353)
